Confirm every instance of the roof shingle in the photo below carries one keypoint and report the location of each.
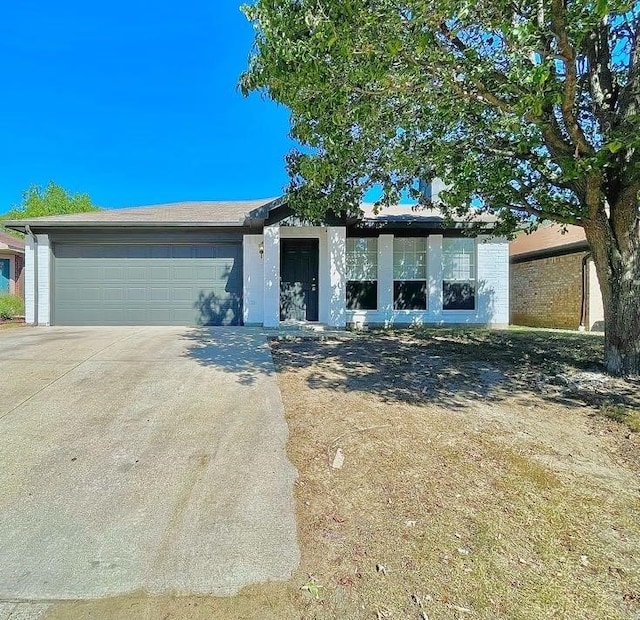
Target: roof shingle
(204, 212)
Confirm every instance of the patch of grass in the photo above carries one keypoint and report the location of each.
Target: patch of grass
(11, 306)
(628, 416)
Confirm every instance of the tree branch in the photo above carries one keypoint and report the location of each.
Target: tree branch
(568, 55)
(601, 84)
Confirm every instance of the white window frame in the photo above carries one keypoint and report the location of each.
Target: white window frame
(454, 269)
(359, 270)
(419, 268)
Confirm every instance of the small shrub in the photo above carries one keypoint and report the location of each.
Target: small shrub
(10, 307)
(624, 415)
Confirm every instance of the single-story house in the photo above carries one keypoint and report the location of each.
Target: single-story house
(11, 264)
(257, 263)
(554, 281)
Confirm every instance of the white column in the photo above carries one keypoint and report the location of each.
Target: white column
(434, 276)
(43, 282)
(385, 278)
(29, 280)
(271, 276)
(252, 280)
(337, 241)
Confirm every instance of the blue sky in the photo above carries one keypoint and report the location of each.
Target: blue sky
(134, 103)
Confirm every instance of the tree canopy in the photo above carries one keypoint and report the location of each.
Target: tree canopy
(51, 200)
(527, 109)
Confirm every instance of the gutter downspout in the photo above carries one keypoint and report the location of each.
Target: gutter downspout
(29, 232)
(583, 298)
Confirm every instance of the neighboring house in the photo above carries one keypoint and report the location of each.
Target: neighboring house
(256, 263)
(11, 264)
(554, 281)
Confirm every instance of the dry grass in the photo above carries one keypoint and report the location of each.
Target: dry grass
(474, 486)
(625, 415)
(12, 323)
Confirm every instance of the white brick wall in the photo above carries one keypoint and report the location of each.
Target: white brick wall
(29, 280)
(492, 306)
(493, 280)
(43, 283)
(253, 280)
(337, 289)
(271, 258)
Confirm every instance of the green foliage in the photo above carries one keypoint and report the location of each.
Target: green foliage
(10, 306)
(52, 200)
(523, 109)
(624, 415)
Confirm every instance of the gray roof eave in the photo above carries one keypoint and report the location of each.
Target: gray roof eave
(20, 225)
(567, 248)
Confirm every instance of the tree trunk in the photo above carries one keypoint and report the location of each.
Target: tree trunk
(622, 328)
(617, 262)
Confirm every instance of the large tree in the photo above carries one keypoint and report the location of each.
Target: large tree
(51, 200)
(528, 109)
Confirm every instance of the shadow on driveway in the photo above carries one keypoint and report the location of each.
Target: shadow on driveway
(242, 351)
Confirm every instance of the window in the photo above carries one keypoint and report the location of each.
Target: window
(459, 274)
(410, 273)
(362, 274)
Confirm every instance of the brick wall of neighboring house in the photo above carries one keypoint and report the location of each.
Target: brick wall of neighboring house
(19, 275)
(546, 292)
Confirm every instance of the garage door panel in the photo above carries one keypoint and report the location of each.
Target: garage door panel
(182, 294)
(159, 294)
(185, 272)
(135, 294)
(147, 284)
(160, 273)
(113, 293)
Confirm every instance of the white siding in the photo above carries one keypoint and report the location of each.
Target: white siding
(262, 281)
(30, 280)
(434, 269)
(493, 281)
(271, 307)
(44, 280)
(253, 280)
(337, 289)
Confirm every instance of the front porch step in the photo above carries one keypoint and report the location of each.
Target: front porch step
(304, 330)
(305, 325)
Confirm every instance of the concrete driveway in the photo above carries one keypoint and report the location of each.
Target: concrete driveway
(141, 458)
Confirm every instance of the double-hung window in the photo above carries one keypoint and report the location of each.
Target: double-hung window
(362, 273)
(410, 273)
(459, 274)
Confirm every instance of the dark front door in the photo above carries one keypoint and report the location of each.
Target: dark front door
(299, 279)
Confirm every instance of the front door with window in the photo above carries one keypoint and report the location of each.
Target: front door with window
(299, 279)
(5, 275)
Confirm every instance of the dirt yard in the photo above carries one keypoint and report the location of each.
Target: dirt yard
(484, 475)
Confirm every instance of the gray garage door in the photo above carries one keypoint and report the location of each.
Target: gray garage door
(147, 284)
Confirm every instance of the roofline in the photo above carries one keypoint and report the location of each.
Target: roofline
(20, 225)
(558, 250)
